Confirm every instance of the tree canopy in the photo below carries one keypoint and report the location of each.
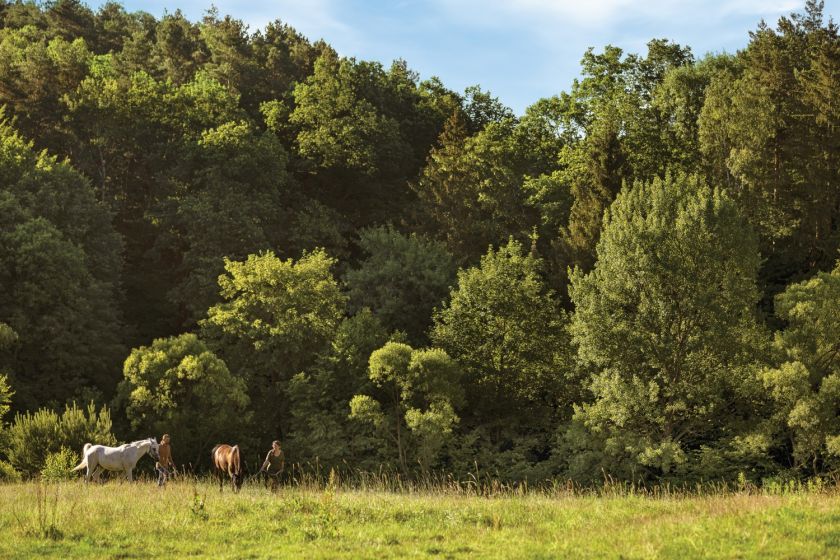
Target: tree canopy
(635, 278)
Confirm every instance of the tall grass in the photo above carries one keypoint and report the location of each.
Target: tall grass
(42, 520)
(357, 514)
(312, 477)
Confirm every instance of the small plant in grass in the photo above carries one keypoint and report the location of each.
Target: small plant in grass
(58, 466)
(198, 507)
(324, 523)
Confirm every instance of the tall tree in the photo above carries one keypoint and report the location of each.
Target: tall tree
(507, 331)
(805, 385)
(402, 279)
(772, 129)
(59, 276)
(418, 391)
(667, 320)
(621, 135)
(36, 72)
(471, 187)
(276, 317)
(355, 144)
(178, 386)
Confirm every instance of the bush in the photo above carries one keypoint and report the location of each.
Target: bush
(8, 473)
(59, 466)
(5, 404)
(33, 436)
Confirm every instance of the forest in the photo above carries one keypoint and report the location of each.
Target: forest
(241, 235)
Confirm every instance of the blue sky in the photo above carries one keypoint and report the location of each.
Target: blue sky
(521, 50)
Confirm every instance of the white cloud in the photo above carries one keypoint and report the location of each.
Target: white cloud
(760, 7)
(317, 19)
(597, 14)
(312, 14)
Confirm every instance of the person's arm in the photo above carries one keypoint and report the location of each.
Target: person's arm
(266, 462)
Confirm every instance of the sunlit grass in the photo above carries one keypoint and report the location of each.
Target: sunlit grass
(117, 519)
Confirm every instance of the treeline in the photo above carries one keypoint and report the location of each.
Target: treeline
(236, 235)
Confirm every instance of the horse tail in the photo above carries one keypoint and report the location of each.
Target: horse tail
(84, 462)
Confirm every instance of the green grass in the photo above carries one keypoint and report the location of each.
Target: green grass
(122, 520)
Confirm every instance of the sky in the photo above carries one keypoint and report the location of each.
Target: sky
(520, 50)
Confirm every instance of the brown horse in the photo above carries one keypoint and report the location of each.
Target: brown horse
(226, 460)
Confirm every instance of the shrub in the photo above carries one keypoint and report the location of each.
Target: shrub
(8, 473)
(59, 466)
(34, 436)
(5, 402)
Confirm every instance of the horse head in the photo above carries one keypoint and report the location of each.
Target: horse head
(154, 447)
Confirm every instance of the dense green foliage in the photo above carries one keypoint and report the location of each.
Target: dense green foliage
(60, 272)
(174, 381)
(401, 279)
(805, 386)
(418, 390)
(275, 318)
(666, 320)
(636, 278)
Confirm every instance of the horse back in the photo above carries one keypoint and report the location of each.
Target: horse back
(221, 456)
(226, 459)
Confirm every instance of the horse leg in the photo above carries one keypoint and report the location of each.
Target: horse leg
(221, 480)
(91, 468)
(95, 473)
(128, 474)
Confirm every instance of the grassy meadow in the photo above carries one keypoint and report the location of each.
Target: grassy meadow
(192, 519)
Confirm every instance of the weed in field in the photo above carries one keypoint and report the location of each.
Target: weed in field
(43, 522)
(198, 507)
(493, 521)
(323, 524)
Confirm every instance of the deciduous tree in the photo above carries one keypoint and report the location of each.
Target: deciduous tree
(667, 320)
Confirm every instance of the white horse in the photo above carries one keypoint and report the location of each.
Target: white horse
(123, 458)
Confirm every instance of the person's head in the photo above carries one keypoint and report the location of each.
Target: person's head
(275, 444)
(165, 438)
